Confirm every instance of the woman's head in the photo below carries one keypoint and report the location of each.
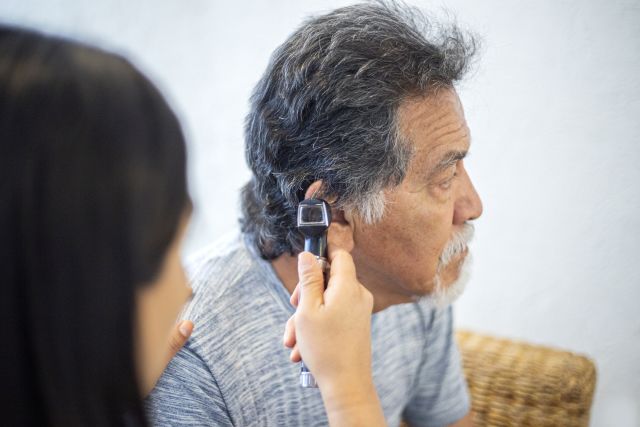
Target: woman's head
(93, 203)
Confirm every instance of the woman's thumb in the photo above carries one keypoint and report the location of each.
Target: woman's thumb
(311, 280)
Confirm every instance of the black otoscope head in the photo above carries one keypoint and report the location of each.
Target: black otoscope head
(314, 218)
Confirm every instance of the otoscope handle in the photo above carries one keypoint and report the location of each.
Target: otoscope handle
(306, 378)
(317, 246)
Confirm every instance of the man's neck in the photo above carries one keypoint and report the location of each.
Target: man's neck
(286, 268)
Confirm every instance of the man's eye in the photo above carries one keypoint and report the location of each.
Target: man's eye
(446, 184)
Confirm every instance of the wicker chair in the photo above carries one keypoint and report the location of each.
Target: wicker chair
(518, 384)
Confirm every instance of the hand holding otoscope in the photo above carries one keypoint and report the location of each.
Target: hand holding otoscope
(331, 328)
(314, 219)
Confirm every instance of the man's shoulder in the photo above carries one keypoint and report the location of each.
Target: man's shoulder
(217, 267)
(222, 276)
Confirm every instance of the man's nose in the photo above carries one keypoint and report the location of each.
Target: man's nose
(468, 205)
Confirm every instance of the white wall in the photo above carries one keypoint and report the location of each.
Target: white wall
(554, 109)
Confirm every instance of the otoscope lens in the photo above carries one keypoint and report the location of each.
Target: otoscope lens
(312, 214)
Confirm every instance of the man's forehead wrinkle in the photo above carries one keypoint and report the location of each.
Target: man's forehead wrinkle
(423, 116)
(449, 129)
(434, 124)
(442, 142)
(437, 130)
(441, 101)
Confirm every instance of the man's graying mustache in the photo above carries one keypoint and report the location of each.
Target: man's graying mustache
(457, 244)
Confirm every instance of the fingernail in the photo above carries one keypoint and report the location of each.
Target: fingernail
(306, 260)
(184, 329)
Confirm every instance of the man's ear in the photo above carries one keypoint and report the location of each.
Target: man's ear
(341, 228)
(313, 190)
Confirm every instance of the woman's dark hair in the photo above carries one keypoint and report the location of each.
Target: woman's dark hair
(92, 189)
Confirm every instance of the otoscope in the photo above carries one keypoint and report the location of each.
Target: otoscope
(314, 217)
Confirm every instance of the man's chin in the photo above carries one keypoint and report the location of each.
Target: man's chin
(450, 273)
(448, 287)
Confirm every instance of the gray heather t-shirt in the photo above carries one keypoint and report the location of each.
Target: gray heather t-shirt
(234, 370)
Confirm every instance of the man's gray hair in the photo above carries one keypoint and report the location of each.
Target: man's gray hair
(326, 109)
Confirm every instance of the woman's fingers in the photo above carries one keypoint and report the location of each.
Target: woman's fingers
(179, 337)
(311, 282)
(342, 266)
(289, 338)
(295, 297)
(295, 355)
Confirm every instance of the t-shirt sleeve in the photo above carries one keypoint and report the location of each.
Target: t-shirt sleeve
(187, 394)
(440, 396)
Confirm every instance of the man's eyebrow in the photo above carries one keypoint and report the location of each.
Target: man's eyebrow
(448, 160)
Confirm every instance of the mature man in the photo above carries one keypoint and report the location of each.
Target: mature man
(358, 106)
